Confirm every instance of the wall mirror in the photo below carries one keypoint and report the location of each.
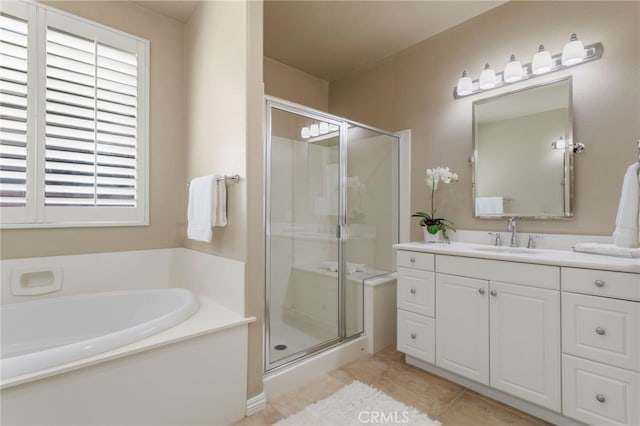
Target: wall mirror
(523, 156)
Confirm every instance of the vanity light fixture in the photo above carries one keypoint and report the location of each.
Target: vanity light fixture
(542, 61)
(574, 53)
(513, 71)
(317, 129)
(465, 84)
(487, 78)
(561, 144)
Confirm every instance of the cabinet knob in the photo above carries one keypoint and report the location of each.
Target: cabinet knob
(413, 291)
(481, 290)
(599, 283)
(600, 398)
(600, 330)
(413, 335)
(494, 293)
(412, 260)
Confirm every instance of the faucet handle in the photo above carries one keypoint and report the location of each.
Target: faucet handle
(498, 240)
(532, 240)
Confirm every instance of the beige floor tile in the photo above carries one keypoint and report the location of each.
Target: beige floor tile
(368, 369)
(426, 392)
(471, 409)
(296, 400)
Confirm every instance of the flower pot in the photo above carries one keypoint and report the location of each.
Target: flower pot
(432, 238)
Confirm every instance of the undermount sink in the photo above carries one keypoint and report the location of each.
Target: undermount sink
(518, 250)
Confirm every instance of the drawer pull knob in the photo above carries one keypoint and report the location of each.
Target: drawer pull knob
(481, 290)
(413, 335)
(494, 293)
(599, 283)
(600, 330)
(413, 260)
(600, 397)
(413, 291)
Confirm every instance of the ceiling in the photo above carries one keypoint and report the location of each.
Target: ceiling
(177, 9)
(333, 38)
(330, 39)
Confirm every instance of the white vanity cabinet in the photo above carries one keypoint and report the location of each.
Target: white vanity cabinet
(416, 305)
(498, 323)
(601, 346)
(553, 333)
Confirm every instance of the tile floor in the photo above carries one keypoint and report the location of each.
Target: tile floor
(440, 399)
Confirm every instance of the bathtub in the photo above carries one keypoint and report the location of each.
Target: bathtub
(48, 332)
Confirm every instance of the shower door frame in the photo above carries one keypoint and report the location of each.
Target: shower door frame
(271, 102)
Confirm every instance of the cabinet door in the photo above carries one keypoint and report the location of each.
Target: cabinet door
(525, 342)
(416, 291)
(462, 326)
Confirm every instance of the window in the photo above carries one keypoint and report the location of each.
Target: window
(73, 121)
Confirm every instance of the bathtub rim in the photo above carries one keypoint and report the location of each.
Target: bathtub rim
(210, 318)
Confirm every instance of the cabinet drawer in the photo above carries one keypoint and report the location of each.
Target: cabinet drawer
(599, 394)
(417, 336)
(601, 329)
(416, 260)
(621, 285)
(542, 276)
(416, 291)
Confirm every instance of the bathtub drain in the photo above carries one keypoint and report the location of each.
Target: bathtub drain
(280, 347)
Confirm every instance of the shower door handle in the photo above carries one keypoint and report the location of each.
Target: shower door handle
(338, 231)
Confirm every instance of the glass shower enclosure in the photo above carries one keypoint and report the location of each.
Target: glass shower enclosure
(331, 217)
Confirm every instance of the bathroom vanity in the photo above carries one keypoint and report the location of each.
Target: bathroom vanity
(554, 333)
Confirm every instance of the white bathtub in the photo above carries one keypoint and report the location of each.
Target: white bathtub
(50, 332)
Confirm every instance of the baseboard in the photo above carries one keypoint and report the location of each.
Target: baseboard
(522, 405)
(256, 404)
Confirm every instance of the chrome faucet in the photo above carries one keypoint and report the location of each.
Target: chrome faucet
(511, 227)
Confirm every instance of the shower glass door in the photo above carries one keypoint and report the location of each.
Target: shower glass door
(331, 221)
(303, 205)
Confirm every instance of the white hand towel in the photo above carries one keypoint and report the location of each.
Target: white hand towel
(489, 205)
(626, 233)
(206, 207)
(219, 205)
(607, 249)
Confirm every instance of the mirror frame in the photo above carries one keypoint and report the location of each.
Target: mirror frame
(568, 156)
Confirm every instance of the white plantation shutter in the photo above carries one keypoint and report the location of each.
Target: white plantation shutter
(13, 111)
(90, 143)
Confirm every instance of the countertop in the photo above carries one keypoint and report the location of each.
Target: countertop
(537, 256)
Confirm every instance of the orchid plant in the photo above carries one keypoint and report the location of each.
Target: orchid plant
(432, 223)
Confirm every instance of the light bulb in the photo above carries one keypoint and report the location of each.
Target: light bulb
(305, 133)
(513, 70)
(573, 51)
(465, 85)
(314, 131)
(487, 78)
(542, 61)
(324, 128)
(560, 144)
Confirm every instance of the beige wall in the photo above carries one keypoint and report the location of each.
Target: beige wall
(254, 301)
(166, 144)
(216, 122)
(413, 90)
(286, 82)
(224, 135)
